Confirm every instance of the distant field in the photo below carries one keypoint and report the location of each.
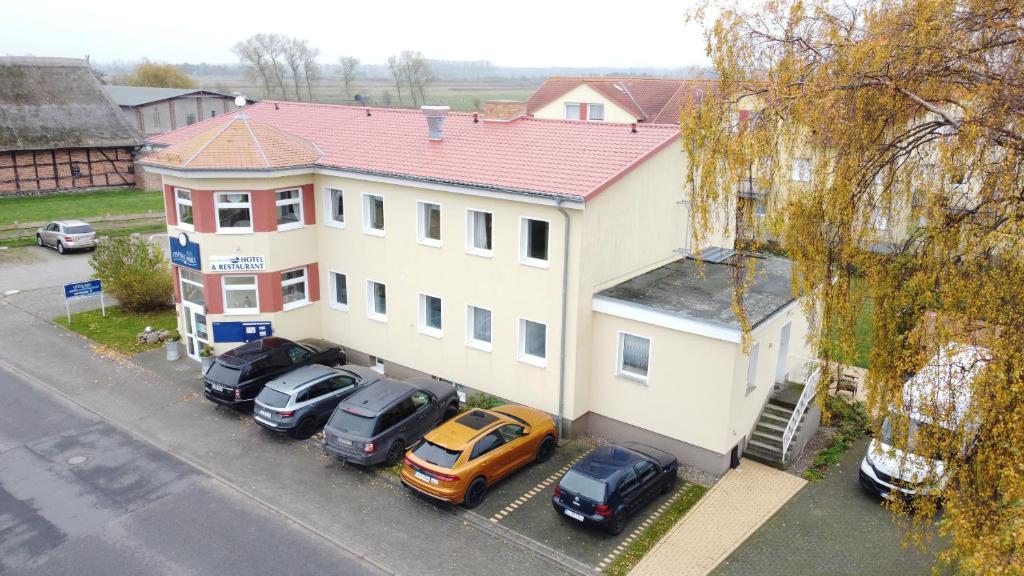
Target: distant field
(461, 96)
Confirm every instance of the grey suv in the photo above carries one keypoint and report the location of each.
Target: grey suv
(378, 423)
(301, 401)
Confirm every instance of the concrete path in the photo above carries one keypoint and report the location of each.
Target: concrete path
(732, 510)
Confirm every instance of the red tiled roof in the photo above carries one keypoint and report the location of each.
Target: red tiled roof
(651, 100)
(527, 154)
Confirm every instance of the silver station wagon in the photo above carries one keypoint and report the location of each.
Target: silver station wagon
(67, 235)
(301, 401)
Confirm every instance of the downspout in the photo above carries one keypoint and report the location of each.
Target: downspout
(565, 311)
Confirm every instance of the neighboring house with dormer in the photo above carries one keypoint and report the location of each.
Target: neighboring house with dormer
(541, 261)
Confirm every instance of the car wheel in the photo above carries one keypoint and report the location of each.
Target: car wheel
(618, 523)
(546, 449)
(450, 412)
(475, 494)
(306, 428)
(60, 247)
(395, 453)
(39, 240)
(669, 484)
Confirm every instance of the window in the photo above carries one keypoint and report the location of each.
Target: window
(595, 112)
(572, 111)
(240, 294)
(478, 328)
(430, 315)
(879, 220)
(510, 432)
(335, 208)
(533, 342)
(801, 170)
(428, 229)
(377, 364)
(634, 357)
(190, 119)
(486, 444)
(645, 471)
(289, 209)
(420, 400)
(156, 117)
(478, 232)
(376, 300)
(373, 214)
(293, 288)
(234, 212)
(183, 207)
(297, 354)
(191, 286)
(339, 291)
(533, 242)
(628, 482)
(341, 383)
(213, 113)
(76, 170)
(752, 366)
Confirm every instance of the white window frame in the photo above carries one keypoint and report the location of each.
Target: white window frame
(334, 295)
(800, 170)
(178, 202)
(377, 364)
(225, 288)
(217, 207)
(304, 280)
(521, 354)
(367, 214)
(879, 219)
(524, 229)
(470, 228)
(590, 116)
(752, 364)
(371, 310)
(471, 341)
(421, 224)
(565, 111)
(422, 306)
(620, 370)
(329, 219)
(278, 202)
(181, 278)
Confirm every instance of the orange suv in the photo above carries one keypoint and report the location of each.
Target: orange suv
(461, 458)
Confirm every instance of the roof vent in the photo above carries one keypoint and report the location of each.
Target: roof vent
(435, 120)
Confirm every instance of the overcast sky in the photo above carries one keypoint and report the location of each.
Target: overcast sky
(508, 33)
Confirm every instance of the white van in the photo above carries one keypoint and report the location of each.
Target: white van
(937, 397)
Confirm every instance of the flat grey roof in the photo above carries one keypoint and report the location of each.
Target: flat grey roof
(680, 289)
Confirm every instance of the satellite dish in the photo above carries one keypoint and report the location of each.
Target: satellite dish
(239, 101)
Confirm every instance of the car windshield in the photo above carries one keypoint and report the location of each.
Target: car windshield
(583, 485)
(437, 455)
(272, 398)
(918, 432)
(83, 229)
(223, 373)
(361, 426)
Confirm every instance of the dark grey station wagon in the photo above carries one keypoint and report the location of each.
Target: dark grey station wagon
(301, 401)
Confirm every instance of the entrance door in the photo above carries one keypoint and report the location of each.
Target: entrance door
(781, 369)
(196, 335)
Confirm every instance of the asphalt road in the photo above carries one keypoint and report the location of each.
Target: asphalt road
(79, 496)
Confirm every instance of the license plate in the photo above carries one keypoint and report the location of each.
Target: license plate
(425, 478)
(217, 388)
(574, 515)
(343, 442)
(264, 413)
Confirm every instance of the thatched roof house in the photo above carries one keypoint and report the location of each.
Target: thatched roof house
(59, 129)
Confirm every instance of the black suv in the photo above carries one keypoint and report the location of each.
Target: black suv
(238, 375)
(613, 482)
(378, 423)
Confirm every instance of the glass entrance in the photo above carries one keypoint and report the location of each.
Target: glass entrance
(196, 333)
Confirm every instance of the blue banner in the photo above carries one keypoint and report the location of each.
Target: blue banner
(185, 252)
(241, 331)
(81, 289)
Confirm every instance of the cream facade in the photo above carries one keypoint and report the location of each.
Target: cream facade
(564, 106)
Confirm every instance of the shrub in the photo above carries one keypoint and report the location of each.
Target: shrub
(485, 401)
(134, 272)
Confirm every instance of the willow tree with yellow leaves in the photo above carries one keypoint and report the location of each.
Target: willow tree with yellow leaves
(887, 145)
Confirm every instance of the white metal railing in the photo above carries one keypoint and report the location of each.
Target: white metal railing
(810, 388)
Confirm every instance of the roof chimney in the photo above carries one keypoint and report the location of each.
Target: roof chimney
(435, 120)
(504, 110)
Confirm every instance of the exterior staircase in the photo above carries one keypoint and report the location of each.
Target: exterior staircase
(765, 443)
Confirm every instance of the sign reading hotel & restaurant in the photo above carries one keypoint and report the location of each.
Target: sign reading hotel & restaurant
(237, 263)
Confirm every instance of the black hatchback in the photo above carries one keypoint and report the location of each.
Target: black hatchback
(238, 375)
(613, 482)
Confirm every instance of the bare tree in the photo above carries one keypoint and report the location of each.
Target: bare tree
(310, 68)
(349, 65)
(291, 50)
(272, 57)
(254, 59)
(395, 67)
(273, 46)
(414, 70)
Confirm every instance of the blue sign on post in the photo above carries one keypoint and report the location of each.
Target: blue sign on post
(80, 289)
(185, 252)
(241, 331)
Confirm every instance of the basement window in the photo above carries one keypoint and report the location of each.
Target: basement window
(634, 357)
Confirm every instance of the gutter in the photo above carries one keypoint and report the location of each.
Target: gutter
(565, 310)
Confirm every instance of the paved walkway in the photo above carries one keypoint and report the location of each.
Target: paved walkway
(732, 510)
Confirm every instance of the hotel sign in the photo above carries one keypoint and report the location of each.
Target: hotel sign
(237, 263)
(185, 253)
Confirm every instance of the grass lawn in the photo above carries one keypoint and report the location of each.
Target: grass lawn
(31, 241)
(78, 205)
(865, 338)
(119, 328)
(639, 547)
